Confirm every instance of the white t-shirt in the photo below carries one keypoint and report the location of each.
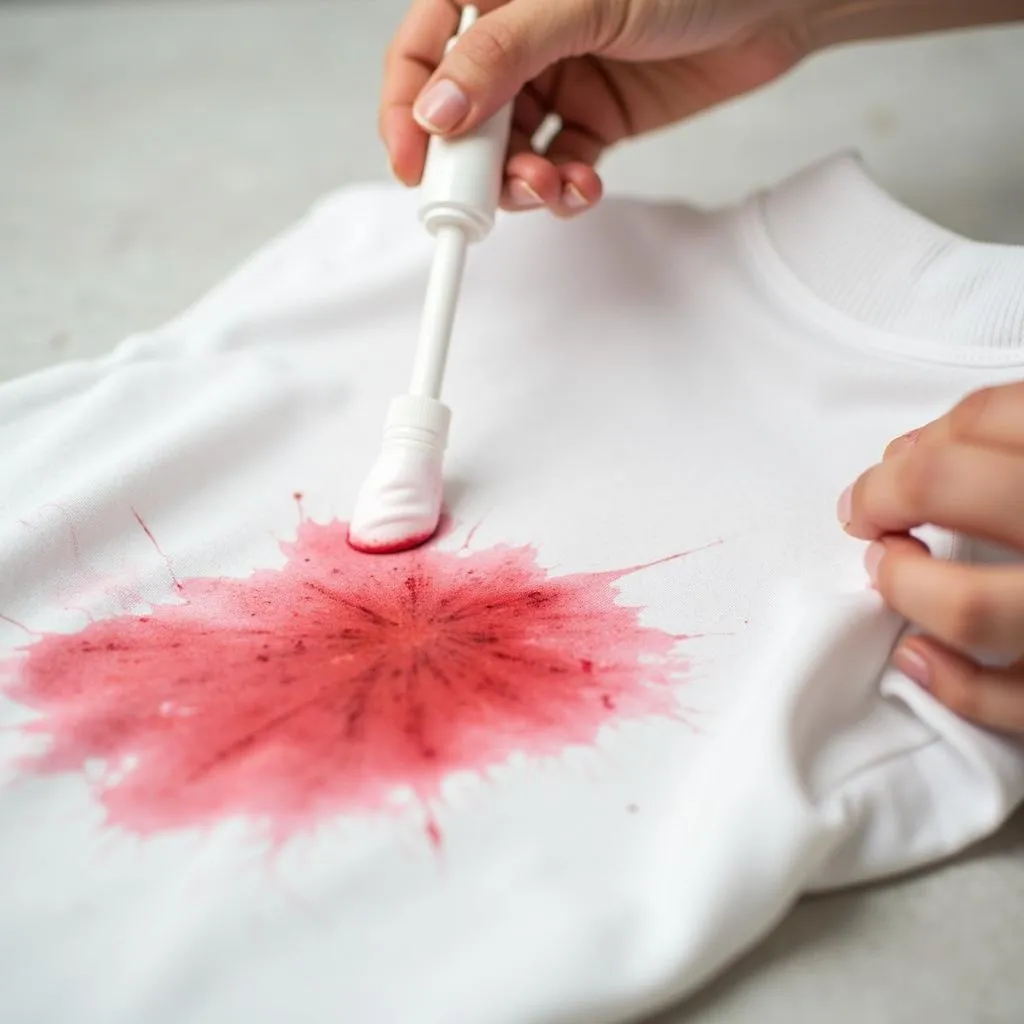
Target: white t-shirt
(540, 770)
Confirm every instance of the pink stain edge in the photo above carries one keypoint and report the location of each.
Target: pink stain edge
(427, 810)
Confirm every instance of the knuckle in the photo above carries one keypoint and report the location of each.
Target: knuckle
(969, 412)
(395, 54)
(967, 616)
(922, 476)
(608, 23)
(490, 44)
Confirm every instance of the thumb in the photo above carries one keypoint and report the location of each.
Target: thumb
(496, 57)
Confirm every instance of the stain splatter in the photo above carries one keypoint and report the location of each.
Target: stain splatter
(325, 686)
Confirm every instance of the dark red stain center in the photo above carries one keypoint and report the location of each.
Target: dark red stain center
(323, 687)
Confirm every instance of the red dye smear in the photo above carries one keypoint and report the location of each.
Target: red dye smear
(17, 624)
(159, 550)
(391, 547)
(323, 687)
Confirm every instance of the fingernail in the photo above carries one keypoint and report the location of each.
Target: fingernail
(573, 198)
(522, 195)
(441, 107)
(844, 507)
(911, 664)
(873, 559)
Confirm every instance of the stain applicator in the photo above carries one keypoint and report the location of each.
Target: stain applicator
(399, 505)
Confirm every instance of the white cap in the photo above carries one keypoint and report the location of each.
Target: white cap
(462, 179)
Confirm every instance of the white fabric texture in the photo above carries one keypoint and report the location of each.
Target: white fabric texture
(645, 381)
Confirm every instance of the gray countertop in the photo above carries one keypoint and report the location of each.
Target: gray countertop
(147, 147)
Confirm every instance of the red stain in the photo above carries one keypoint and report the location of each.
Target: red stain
(170, 568)
(433, 832)
(17, 625)
(391, 547)
(323, 687)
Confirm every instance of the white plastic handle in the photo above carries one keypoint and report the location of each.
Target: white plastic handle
(462, 180)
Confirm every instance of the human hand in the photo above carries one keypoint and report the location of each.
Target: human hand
(609, 69)
(964, 472)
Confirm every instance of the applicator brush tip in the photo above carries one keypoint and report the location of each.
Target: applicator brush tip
(399, 505)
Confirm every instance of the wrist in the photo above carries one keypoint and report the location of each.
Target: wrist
(833, 22)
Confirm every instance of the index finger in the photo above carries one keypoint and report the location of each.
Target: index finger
(412, 57)
(977, 491)
(992, 417)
